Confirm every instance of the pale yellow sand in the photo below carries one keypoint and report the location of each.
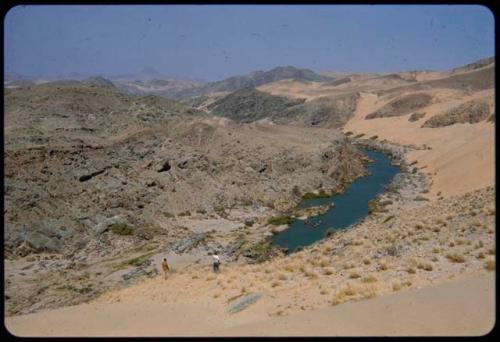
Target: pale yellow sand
(461, 307)
(462, 156)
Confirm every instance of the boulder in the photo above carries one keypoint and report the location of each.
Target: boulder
(103, 226)
(244, 302)
(43, 236)
(186, 244)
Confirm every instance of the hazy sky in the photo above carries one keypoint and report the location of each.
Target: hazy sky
(213, 42)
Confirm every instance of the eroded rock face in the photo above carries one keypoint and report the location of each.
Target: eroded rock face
(41, 236)
(175, 169)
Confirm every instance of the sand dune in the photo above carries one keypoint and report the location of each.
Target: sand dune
(463, 307)
(461, 157)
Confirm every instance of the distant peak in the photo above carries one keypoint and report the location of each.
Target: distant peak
(99, 81)
(150, 71)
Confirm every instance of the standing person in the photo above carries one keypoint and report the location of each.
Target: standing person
(216, 262)
(165, 267)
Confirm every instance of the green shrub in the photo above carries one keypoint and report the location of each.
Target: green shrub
(330, 232)
(279, 220)
(420, 198)
(168, 215)
(122, 229)
(138, 261)
(185, 213)
(310, 195)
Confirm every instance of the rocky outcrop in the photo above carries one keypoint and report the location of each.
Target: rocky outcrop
(249, 105)
(469, 112)
(402, 106)
(186, 244)
(331, 112)
(243, 302)
(416, 116)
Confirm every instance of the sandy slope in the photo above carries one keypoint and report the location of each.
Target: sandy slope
(462, 307)
(462, 156)
(465, 307)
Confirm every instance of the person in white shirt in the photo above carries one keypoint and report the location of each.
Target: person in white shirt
(216, 262)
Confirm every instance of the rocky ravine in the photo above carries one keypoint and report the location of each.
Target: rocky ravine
(96, 182)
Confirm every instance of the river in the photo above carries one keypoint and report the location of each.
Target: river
(350, 206)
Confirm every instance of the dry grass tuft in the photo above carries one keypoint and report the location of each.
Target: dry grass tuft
(354, 275)
(490, 265)
(424, 266)
(406, 283)
(411, 270)
(282, 276)
(347, 291)
(324, 262)
(396, 286)
(369, 279)
(383, 266)
(455, 257)
(369, 292)
(311, 274)
(348, 265)
(327, 250)
(275, 284)
(328, 271)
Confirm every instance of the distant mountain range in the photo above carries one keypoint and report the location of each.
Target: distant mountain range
(254, 79)
(150, 82)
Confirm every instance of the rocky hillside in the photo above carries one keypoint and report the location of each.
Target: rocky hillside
(73, 112)
(254, 79)
(402, 106)
(472, 111)
(92, 173)
(249, 105)
(331, 112)
(165, 86)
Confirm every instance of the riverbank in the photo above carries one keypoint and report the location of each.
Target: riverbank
(351, 206)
